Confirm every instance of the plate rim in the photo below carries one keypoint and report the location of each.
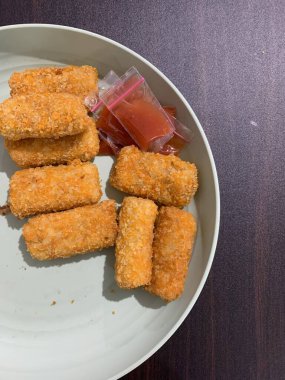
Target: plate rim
(213, 168)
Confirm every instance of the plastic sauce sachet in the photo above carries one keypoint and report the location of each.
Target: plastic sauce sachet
(133, 103)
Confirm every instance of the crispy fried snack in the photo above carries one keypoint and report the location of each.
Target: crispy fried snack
(165, 179)
(134, 242)
(72, 232)
(39, 152)
(53, 188)
(42, 115)
(175, 232)
(76, 80)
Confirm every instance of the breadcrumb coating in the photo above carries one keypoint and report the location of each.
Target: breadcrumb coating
(174, 237)
(53, 188)
(39, 152)
(76, 80)
(42, 115)
(68, 233)
(134, 242)
(166, 180)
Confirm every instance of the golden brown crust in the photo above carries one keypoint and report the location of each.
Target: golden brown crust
(53, 188)
(174, 237)
(39, 152)
(42, 115)
(72, 232)
(76, 80)
(134, 242)
(165, 179)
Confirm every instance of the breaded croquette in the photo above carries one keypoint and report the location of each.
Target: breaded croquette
(39, 152)
(53, 188)
(166, 180)
(174, 237)
(76, 80)
(134, 242)
(68, 233)
(42, 115)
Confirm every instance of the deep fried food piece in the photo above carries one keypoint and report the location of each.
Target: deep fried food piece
(76, 80)
(39, 152)
(42, 115)
(134, 242)
(53, 188)
(72, 232)
(173, 242)
(165, 179)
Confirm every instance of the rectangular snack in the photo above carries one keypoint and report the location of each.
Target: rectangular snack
(42, 115)
(165, 179)
(39, 152)
(76, 80)
(174, 237)
(71, 232)
(134, 242)
(53, 188)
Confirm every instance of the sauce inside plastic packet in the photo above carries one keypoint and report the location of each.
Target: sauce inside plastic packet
(105, 149)
(174, 146)
(142, 114)
(111, 127)
(132, 102)
(170, 110)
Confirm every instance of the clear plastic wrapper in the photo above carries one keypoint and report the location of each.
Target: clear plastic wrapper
(174, 146)
(107, 140)
(105, 149)
(93, 100)
(129, 97)
(170, 110)
(181, 131)
(111, 126)
(132, 102)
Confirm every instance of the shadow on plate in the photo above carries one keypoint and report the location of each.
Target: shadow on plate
(7, 165)
(110, 290)
(149, 300)
(52, 263)
(113, 193)
(113, 293)
(13, 222)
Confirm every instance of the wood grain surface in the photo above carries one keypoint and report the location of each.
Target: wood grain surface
(228, 58)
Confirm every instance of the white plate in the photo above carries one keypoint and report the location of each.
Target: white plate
(95, 330)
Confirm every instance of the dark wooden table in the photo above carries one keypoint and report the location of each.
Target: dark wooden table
(228, 59)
